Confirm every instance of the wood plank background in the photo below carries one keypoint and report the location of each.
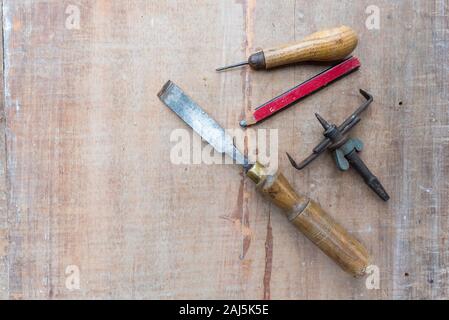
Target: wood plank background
(86, 178)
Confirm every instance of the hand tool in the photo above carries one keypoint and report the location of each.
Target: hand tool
(304, 213)
(302, 90)
(345, 149)
(323, 46)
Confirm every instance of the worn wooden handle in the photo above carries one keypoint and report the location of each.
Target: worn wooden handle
(327, 45)
(313, 221)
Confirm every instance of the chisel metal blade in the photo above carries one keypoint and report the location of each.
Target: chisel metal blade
(192, 114)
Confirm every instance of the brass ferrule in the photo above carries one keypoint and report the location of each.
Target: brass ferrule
(257, 173)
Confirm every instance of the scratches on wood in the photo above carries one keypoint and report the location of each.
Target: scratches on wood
(422, 220)
(241, 220)
(268, 260)
(248, 7)
(86, 176)
(4, 239)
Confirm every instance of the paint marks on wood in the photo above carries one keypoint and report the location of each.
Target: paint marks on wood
(87, 139)
(268, 261)
(240, 219)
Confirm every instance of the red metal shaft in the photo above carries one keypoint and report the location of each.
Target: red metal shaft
(304, 89)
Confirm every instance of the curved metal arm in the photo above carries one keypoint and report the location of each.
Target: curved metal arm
(305, 163)
(344, 128)
(369, 99)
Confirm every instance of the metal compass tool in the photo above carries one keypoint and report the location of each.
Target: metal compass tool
(345, 149)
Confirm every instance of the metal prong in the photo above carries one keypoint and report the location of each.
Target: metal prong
(369, 99)
(232, 66)
(293, 162)
(323, 122)
(305, 163)
(377, 187)
(366, 95)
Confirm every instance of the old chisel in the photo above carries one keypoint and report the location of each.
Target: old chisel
(304, 213)
(323, 46)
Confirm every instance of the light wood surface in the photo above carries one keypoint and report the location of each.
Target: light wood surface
(87, 178)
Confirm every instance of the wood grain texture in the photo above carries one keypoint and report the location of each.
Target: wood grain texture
(310, 219)
(3, 191)
(326, 45)
(90, 184)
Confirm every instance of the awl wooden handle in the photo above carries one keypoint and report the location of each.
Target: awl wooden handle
(313, 221)
(327, 45)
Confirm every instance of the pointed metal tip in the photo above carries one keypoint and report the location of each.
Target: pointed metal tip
(323, 122)
(232, 66)
(243, 123)
(293, 162)
(377, 187)
(368, 96)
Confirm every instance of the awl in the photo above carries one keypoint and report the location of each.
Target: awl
(323, 46)
(304, 213)
(302, 90)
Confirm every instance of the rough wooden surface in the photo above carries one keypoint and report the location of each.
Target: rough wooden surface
(89, 181)
(3, 195)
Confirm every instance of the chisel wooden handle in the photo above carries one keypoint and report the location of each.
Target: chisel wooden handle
(326, 45)
(313, 221)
